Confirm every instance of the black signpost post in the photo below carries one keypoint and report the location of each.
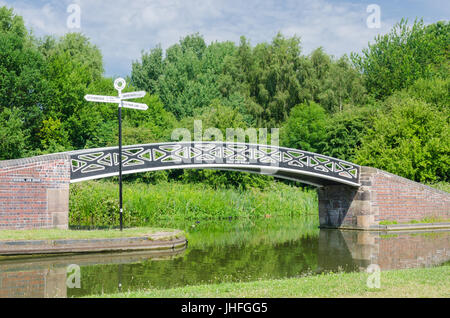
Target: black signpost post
(119, 85)
(120, 166)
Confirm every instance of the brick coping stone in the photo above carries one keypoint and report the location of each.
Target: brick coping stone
(155, 241)
(41, 158)
(398, 227)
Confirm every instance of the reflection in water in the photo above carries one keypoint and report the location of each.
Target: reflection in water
(389, 250)
(227, 251)
(48, 276)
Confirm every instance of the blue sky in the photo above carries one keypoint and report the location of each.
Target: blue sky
(123, 28)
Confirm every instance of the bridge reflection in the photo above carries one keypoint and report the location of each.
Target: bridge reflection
(331, 250)
(46, 277)
(389, 250)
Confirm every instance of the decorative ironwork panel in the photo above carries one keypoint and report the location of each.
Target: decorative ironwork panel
(98, 163)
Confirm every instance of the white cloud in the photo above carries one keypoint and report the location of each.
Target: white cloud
(45, 19)
(123, 28)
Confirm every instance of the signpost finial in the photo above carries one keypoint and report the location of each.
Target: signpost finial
(119, 84)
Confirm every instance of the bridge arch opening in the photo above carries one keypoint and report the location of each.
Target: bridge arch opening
(198, 200)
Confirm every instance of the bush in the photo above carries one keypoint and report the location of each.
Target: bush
(396, 60)
(12, 135)
(344, 132)
(434, 91)
(227, 179)
(305, 128)
(410, 138)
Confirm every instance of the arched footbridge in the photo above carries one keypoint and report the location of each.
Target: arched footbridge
(34, 192)
(280, 162)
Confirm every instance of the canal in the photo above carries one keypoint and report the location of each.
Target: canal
(225, 251)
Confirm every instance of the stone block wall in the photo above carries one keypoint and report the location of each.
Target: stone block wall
(338, 206)
(34, 192)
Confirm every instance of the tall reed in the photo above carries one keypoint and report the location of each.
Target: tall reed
(95, 203)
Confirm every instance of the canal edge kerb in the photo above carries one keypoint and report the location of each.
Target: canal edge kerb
(395, 227)
(156, 241)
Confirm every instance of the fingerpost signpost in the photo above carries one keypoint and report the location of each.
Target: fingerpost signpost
(119, 85)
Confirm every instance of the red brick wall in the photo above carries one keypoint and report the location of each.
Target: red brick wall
(390, 250)
(398, 199)
(410, 251)
(39, 282)
(382, 196)
(33, 192)
(30, 284)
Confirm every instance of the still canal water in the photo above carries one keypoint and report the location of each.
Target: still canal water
(227, 251)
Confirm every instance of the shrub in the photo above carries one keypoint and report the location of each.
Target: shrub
(410, 138)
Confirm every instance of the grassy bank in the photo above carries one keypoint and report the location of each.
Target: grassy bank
(54, 234)
(423, 220)
(418, 282)
(443, 186)
(96, 203)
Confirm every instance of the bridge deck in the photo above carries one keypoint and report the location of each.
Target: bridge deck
(279, 162)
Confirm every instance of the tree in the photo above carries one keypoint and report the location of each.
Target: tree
(145, 74)
(153, 125)
(334, 84)
(22, 84)
(74, 67)
(186, 78)
(341, 87)
(80, 51)
(396, 60)
(53, 136)
(434, 91)
(13, 136)
(216, 116)
(345, 131)
(410, 138)
(273, 82)
(305, 128)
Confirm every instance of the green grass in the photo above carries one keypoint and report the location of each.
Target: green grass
(53, 234)
(387, 222)
(431, 219)
(95, 203)
(428, 219)
(443, 186)
(418, 282)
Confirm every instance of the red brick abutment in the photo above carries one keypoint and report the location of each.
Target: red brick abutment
(382, 196)
(34, 193)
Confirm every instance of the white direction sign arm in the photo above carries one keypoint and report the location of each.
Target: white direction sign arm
(132, 95)
(134, 105)
(102, 99)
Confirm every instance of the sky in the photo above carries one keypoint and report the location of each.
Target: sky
(123, 29)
